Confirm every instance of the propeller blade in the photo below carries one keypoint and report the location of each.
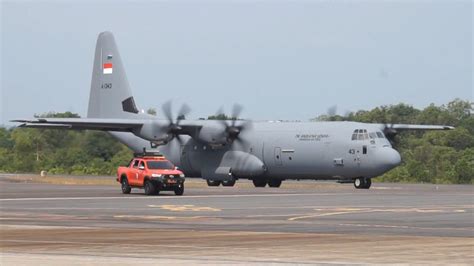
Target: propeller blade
(236, 110)
(179, 139)
(167, 111)
(185, 110)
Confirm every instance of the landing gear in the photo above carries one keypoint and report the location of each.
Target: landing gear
(125, 186)
(262, 182)
(213, 183)
(274, 182)
(362, 183)
(228, 183)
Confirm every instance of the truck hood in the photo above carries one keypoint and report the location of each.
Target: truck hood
(165, 172)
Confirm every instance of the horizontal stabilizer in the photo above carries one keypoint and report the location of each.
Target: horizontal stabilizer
(83, 123)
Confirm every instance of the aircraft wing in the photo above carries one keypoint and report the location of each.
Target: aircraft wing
(82, 123)
(404, 127)
(391, 130)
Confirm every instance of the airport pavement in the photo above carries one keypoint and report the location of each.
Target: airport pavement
(305, 222)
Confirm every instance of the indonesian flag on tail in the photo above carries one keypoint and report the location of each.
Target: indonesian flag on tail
(108, 68)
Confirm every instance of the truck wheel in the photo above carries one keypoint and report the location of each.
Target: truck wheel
(213, 183)
(125, 186)
(274, 182)
(149, 188)
(179, 190)
(228, 183)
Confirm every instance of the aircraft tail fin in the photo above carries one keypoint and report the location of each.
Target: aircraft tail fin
(110, 95)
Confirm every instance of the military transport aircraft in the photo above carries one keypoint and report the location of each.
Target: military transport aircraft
(223, 151)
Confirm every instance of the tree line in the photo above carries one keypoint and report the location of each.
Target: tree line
(430, 157)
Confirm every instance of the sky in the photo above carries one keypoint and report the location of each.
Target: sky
(289, 60)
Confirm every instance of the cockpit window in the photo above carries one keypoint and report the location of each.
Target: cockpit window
(360, 134)
(380, 135)
(372, 135)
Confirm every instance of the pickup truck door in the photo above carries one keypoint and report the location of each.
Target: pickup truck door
(133, 173)
(141, 173)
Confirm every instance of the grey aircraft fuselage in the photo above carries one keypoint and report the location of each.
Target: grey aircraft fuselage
(287, 150)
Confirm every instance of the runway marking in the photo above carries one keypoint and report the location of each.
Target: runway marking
(134, 244)
(154, 217)
(177, 197)
(341, 211)
(184, 208)
(407, 227)
(322, 215)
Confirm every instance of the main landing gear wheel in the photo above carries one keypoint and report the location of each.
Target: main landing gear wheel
(274, 182)
(228, 183)
(125, 186)
(149, 188)
(362, 182)
(259, 182)
(213, 183)
(179, 190)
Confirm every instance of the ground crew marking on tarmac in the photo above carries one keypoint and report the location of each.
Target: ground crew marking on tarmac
(184, 208)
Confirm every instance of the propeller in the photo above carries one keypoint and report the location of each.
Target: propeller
(390, 133)
(173, 123)
(233, 127)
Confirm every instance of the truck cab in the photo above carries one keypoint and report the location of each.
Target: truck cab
(153, 173)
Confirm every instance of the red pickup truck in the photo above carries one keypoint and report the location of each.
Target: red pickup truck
(152, 173)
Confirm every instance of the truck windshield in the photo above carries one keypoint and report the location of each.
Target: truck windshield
(159, 165)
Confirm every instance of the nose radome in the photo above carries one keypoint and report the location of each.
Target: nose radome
(390, 158)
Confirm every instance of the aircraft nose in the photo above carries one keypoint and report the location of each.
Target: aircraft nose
(389, 158)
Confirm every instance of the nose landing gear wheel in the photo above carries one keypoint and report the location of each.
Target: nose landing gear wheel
(362, 182)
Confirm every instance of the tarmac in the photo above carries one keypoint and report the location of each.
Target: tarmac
(299, 223)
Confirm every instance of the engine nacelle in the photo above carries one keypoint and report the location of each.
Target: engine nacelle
(153, 131)
(212, 134)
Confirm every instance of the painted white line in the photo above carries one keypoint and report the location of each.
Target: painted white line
(176, 197)
(407, 227)
(125, 244)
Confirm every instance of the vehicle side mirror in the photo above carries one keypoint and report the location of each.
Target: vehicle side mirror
(141, 167)
(176, 168)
